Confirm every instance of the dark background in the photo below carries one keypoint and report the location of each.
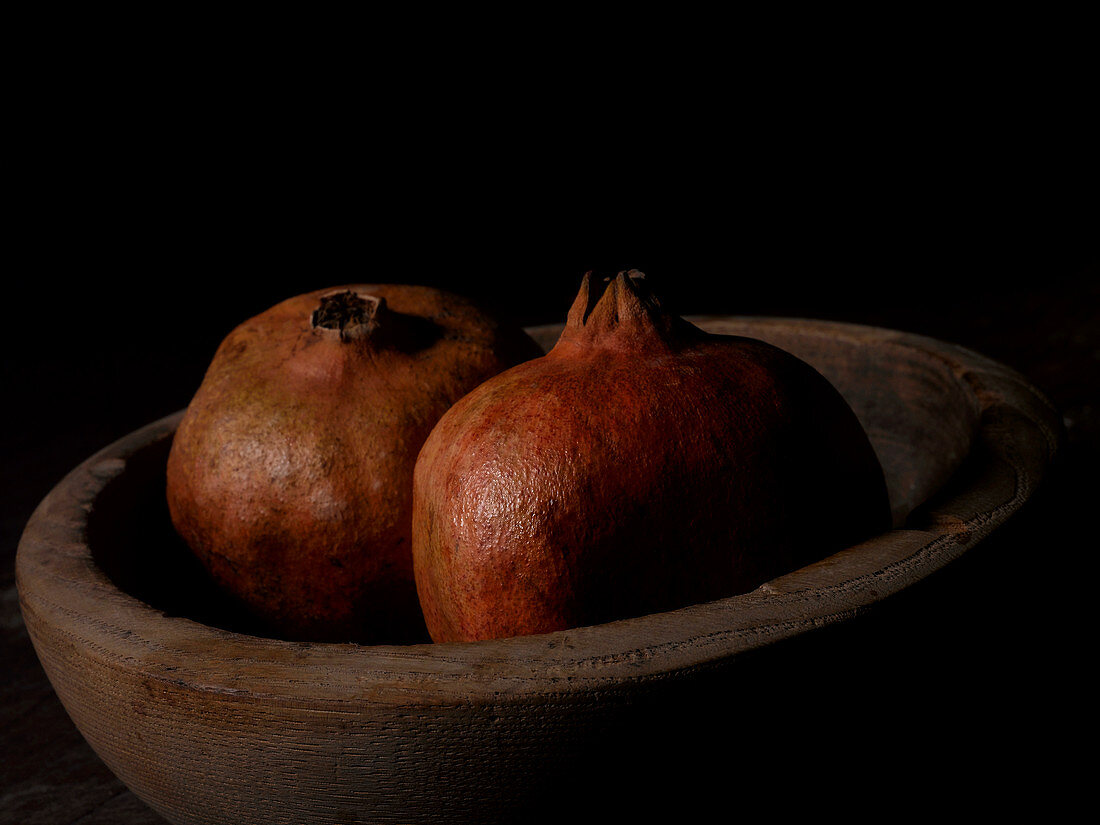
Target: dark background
(140, 247)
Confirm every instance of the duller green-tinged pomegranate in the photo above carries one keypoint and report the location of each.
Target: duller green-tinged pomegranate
(642, 465)
(290, 476)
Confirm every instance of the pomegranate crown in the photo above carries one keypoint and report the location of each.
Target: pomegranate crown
(622, 312)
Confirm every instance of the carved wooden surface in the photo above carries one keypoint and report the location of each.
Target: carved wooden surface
(208, 725)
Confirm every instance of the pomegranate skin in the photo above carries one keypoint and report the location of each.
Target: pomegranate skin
(290, 476)
(642, 465)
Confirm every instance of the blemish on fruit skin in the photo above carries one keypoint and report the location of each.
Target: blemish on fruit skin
(325, 504)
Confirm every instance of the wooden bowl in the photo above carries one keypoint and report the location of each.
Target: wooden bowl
(209, 721)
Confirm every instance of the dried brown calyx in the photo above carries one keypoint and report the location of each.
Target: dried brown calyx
(350, 314)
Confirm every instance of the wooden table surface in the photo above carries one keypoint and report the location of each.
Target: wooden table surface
(968, 682)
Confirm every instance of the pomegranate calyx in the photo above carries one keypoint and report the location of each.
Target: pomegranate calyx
(623, 312)
(350, 314)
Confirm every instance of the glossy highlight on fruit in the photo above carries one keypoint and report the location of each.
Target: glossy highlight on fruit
(641, 465)
(290, 476)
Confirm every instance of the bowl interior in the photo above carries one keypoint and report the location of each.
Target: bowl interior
(919, 416)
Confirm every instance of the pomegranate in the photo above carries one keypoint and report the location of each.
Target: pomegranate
(642, 465)
(290, 476)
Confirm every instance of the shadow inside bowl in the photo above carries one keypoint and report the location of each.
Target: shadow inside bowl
(132, 540)
(917, 410)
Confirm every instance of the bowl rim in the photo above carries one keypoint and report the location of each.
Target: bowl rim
(60, 586)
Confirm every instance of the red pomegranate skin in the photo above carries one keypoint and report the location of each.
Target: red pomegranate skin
(290, 476)
(642, 465)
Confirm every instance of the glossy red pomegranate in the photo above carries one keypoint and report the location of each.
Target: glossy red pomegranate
(290, 475)
(642, 465)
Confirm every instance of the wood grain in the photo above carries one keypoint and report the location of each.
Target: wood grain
(209, 721)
